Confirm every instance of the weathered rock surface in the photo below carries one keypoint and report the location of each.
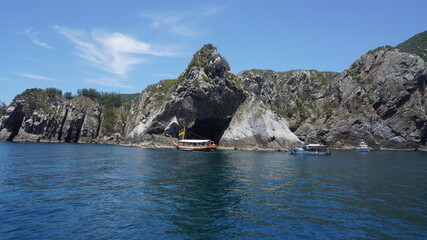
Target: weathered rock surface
(256, 127)
(204, 101)
(381, 98)
(33, 117)
(11, 121)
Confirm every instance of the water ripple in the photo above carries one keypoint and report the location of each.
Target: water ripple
(101, 192)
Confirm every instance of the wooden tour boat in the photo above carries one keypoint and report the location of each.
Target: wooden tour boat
(194, 144)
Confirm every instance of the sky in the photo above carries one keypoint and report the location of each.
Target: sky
(125, 45)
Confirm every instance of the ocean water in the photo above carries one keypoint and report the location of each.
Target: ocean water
(79, 191)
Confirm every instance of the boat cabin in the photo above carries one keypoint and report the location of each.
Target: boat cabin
(195, 143)
(315, 147)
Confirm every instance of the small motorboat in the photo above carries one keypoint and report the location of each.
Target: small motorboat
(310, 149)
(363, 147)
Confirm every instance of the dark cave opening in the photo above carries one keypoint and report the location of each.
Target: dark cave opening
(212, 129)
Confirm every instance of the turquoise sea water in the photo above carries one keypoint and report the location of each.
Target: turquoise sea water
(78, 191)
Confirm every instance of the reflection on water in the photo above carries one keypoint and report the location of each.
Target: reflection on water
(96, 191)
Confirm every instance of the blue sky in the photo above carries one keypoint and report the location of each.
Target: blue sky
(123, 46)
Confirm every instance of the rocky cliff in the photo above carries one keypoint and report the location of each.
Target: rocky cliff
(38, 115)
(380, 98)
(254, 126)
(204, 101)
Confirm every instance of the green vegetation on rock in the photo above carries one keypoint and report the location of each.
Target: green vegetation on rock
(3, 108)
(128, 97)
(105, 98)
(111, 104)
(163, 87)
(206, 59)
(415, 45)
(68, 95)
(382, 48)
(52, 93)
(38, 99)
(44, 100)
(89, 92)
(110, 120)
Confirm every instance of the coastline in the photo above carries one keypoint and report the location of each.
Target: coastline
(166, 143)
(163, 146)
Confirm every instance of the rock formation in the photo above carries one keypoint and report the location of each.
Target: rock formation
(11, 121)
(35, 117)
(380, 98)
(254, 126)
(203, 100)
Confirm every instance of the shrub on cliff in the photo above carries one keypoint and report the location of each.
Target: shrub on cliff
(89, 92)
(68, 95)
(3, 108)
(53, 92)
(415, 45)
(38, 99)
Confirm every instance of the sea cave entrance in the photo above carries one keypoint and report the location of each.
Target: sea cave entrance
(212, 129)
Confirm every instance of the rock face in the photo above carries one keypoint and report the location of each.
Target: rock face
(11, 121)
(206, 100)
(381, 98)
(202, 100)
(34, 117)
(295, 95)
(254, 127)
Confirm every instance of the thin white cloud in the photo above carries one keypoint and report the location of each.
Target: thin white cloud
(37, 77)
(165, 75)
(38, 61)
(34, 37)
(110, 82)
(114, 53)
(175, 22)
(208, 11)
(182, 23)
(3, 79)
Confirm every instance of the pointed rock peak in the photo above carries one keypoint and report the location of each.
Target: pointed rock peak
(207, 63)
(207, 48)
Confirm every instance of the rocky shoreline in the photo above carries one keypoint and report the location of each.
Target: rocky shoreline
(380, 98)
(220, 148)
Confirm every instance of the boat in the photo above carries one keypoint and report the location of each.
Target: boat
(194, 144)
(363, 147)
(310, 149)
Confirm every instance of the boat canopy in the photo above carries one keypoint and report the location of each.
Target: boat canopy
(314, 147)
(194, 141)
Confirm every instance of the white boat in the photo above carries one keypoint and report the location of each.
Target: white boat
(194, 144)
(310, 149)
(363, 147)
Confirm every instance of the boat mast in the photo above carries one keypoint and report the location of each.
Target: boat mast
(182, 134)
